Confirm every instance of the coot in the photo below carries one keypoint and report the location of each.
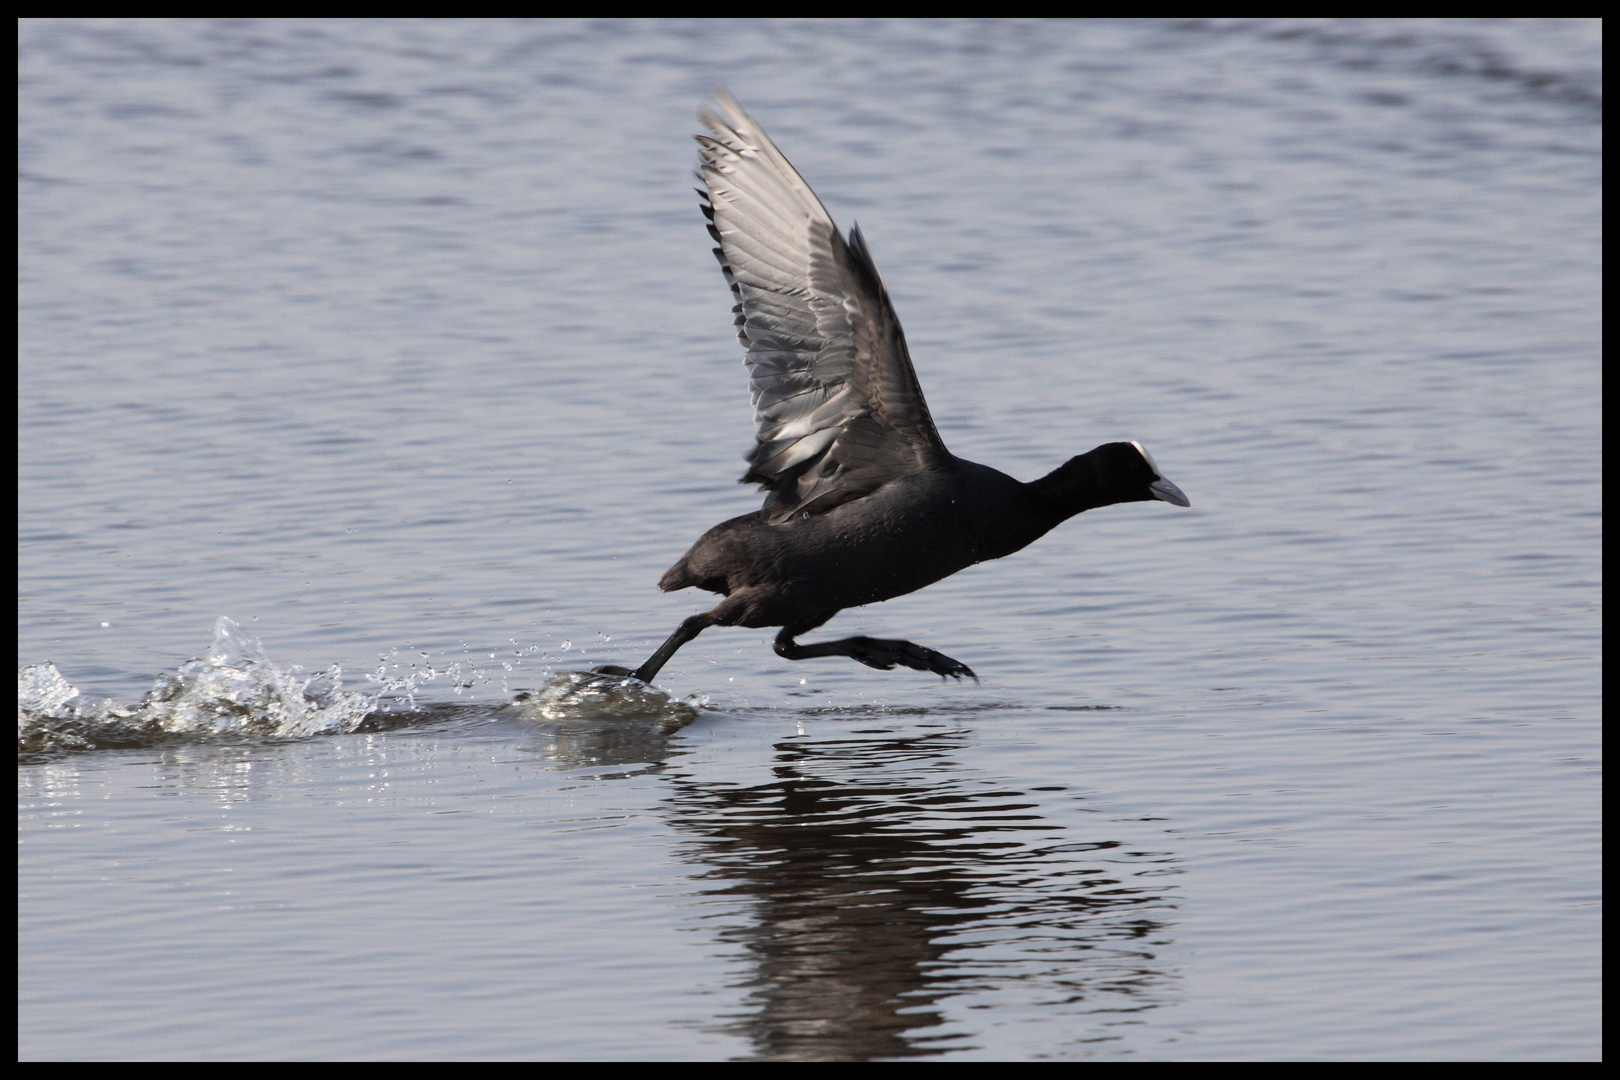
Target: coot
(862, 500)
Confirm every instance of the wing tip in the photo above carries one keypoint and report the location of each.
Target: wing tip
(734, 119)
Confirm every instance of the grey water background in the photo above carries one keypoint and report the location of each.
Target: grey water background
(401, 344)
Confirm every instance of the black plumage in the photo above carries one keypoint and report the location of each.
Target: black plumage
(863, 502)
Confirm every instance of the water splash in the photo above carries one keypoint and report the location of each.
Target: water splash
(572, 695)
(237, 692)
(233, 691)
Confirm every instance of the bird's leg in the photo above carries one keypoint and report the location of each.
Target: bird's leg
(689, 629)
(874, 652)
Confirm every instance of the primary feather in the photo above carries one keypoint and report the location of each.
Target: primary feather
(837, 407)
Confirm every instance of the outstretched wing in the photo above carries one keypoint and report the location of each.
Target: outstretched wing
(837, 406)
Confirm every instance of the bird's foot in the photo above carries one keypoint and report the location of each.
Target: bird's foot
(885, 653)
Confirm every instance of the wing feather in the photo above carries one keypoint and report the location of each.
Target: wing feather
(837, 406)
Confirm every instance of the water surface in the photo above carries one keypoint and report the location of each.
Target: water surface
(400, 347)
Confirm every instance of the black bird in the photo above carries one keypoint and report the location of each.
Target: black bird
(862, 500)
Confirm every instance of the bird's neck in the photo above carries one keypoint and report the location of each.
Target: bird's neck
(1077, 485)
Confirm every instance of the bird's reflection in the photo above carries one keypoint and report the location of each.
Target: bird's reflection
(887, 878)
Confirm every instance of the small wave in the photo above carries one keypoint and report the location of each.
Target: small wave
(233, 692)
(605, 723)
(1528, 59)
(572, 695)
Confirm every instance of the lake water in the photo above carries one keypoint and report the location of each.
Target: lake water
(370, 374)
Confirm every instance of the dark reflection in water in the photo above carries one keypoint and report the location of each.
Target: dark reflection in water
(887, 878)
